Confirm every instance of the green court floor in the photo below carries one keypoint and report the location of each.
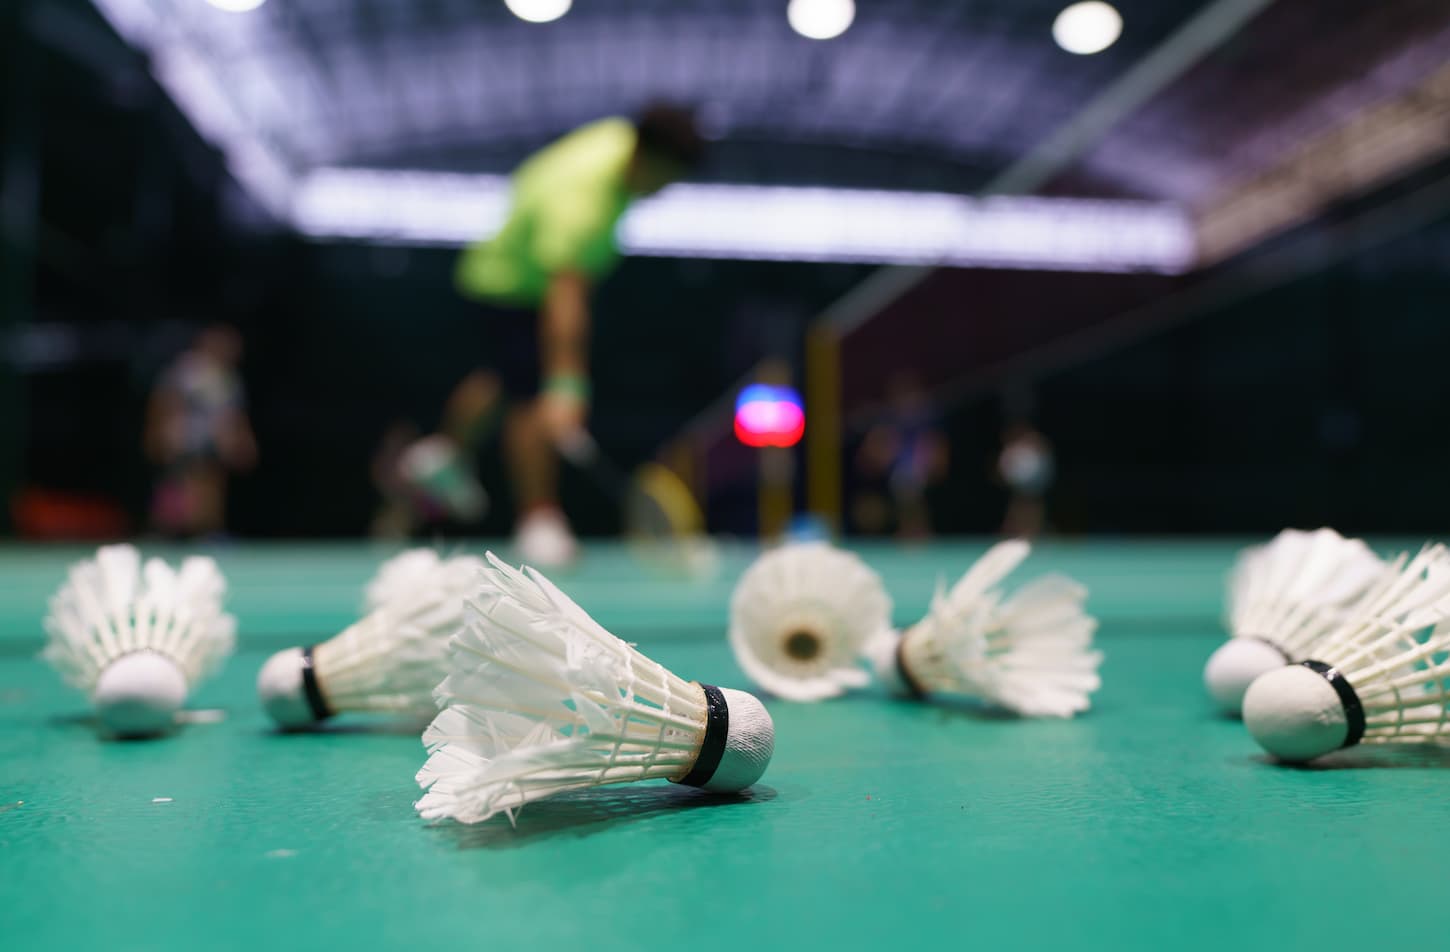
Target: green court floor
(1147, 824)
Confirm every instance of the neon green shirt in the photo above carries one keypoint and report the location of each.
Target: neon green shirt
(567, 200)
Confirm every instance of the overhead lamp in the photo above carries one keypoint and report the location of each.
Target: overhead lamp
(1088, 27)
(820, 19)
(538, 11)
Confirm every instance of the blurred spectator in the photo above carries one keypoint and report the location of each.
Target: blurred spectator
(197, 434)
(1025, 466)
(899, 459)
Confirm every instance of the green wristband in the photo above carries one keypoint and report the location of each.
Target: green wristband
(568, 385)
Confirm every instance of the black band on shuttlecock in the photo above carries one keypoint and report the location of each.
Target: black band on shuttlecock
(1353, 708)
(717, 728)
(914, 690)
(318, 704)
(1265, 641)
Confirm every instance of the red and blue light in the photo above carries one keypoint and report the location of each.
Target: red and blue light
(767, 415)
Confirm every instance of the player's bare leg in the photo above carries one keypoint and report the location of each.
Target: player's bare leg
(470, 412)
(543, 536)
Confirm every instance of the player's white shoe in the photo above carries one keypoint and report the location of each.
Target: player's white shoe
(544, 540)
(440, 482)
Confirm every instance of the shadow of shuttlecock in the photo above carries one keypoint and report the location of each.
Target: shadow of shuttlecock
(1407, 757)
(91, 724)
(949, 709)
(186, 717)
(587, 812)
(379, 728)
(942, 708)
(79, 719)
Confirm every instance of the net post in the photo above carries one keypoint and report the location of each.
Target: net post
(774, 501)
(824, 446)
(775, 498)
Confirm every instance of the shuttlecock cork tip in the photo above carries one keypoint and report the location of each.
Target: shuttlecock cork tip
(749, 743)
(1234, 666)
(1297, 714)
(138, 695)
(287, 687)
(883, 653)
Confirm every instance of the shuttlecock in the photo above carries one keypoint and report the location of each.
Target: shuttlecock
(800, 618)
(1282, 596)
(404, 574)
(1372, 678)
(138, 638)
(1030, 653)
(389, 661)
(540, 699)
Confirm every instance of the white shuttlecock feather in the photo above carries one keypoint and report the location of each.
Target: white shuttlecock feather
(389, 661)
(400, 575)
(1030, 653)
(1282, 597)
(801, 617)
(138, 638)
(1374, 678)
(541, 699)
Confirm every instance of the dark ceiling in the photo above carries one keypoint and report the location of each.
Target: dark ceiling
(403, 82)
(1299, 68)
(920, 94)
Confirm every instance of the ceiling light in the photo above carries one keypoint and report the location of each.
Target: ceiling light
(781, 223)
(1089, 27)
(538, 11)
(236, 6)
(820, 19)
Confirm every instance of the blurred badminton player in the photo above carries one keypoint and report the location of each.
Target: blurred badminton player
(533, 281)
(1026, 467)
(900, 459)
